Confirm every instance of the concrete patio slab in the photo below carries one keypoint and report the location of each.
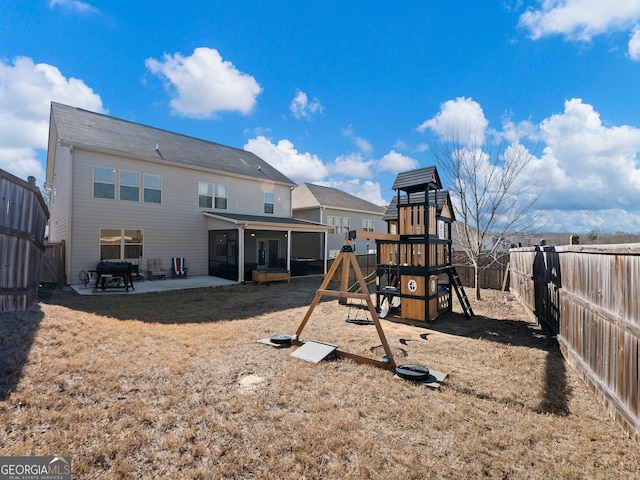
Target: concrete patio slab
(149, 286)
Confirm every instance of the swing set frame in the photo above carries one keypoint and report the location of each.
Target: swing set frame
(348, 260)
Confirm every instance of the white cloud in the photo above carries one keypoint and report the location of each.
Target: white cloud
(395, 162)
(634, 44)
(302, 108)
(402, 145)
(580, 19)
(360, 142)
(75, 5)
(461, 119)
(352, 165)
(300, 167)
(203, 84)
(587, 165)
(514, 132)
(26, 92)
(22, 162)
(368, 190)
(588, 170)
(583, 221)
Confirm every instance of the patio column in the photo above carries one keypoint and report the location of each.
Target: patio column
(289, 250)
(241, 231)
(326, 250)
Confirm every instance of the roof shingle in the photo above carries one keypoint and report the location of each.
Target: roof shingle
(416, 180)
(334, 198)
(81, 127)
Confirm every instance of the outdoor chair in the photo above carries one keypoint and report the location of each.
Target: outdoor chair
(154, 269)
(177, 267)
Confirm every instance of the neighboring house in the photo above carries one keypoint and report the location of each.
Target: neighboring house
(125, 191)
(340, 210)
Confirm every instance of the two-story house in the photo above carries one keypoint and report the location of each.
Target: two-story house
(125, 191)
(342, 212)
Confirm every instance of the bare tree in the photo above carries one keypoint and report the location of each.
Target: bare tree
(492, 192)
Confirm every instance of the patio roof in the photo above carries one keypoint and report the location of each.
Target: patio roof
(260, 222)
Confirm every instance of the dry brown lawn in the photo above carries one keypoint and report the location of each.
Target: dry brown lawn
(174, 385)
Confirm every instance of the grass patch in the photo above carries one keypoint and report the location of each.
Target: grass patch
(174, 385)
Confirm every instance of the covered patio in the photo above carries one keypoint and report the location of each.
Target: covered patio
(240, 244)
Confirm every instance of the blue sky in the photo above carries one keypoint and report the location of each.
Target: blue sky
(348, 94)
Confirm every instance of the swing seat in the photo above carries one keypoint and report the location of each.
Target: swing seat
(355, 321)
(384, 308)
(391, 295)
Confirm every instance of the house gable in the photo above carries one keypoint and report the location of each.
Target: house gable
(309, 195)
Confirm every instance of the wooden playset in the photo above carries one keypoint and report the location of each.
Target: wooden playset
(414, 259)
(414, 273)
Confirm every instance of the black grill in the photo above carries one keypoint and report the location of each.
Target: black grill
(114, 270)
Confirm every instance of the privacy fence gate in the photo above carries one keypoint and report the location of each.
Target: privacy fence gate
(589, 296)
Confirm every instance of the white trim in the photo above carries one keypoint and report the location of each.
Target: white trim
(270, 225)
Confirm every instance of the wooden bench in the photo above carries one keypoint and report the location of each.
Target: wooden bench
(262, 276)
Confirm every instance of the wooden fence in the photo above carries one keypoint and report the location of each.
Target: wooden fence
(589, 296)
(366, 262)
(490, 275)
(53, 264)
(23, 218)
(487, 277)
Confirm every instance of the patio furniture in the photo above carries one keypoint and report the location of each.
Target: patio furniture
(154, 269)
(177, 267)
(136, 273)
(113, 275)
(266, 276)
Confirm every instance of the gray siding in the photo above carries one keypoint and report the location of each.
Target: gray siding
(335, 241)
(175, 227)
(60, 203)
(313, 215)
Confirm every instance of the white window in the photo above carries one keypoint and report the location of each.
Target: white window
(129, 185)
(104, 182)
(118, 244)
(340, 224)
(269, 202)
(221, 197)
(212, 196)
(205, 195)
(152, 188)
(367, 225)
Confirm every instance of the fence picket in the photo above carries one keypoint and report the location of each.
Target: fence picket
(23, 216)
(588, 296)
